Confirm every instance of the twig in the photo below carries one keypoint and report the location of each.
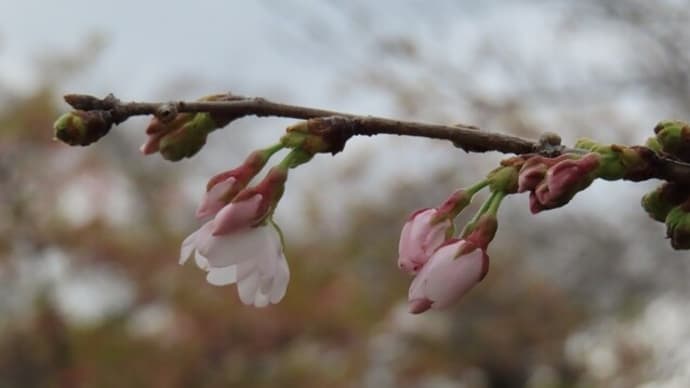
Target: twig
(468, 137)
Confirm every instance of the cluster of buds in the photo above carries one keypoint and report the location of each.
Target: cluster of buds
(553, 182)
(670, 202)
(445, 265)
(239, 242)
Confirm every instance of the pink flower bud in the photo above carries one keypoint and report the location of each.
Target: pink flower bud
(447, 277)
(152, 144)
(252, 205)
(483, 232)
(563, 180)
(223, 187)
(531, 174)
(420, 237)
(533, 171)
(534, 205)
(237, 215)
(216, 198)
(570, 175)
(453, 205)
(157, 129)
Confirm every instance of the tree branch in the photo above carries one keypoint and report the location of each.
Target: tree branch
(468, 137)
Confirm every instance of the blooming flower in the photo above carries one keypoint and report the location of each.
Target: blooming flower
(447, 276)
(251, 257)
(420, 237)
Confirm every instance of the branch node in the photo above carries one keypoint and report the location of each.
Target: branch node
(550, 144)
(166, 112)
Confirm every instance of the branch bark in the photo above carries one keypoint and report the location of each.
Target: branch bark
(467, 137)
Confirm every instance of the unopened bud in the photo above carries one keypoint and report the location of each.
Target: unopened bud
(452, 206)
(653, 144)
(504, 179)
(563, 180)
(187, 140)
(82, 127)
(319, 135)
(586, 144)
(617, 161)
(678, 226)
(481, 234)
(252, 205)
(659, 202)
(674, 138)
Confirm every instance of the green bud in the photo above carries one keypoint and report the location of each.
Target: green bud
(81, 127)
(611, 166)
(659, 202)
(504, 179)
(616, 161)
(187, 140)
(655, 206)
(294, 138)
(586, 144)
(318, 135)
(678, 227)
(295, 158)
(653, 144)
(674, 138)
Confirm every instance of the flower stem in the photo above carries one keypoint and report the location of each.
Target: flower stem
(280, 231)
(474, 189)
(495, 202)
(269, 151)
(489, 206)
(295, 158)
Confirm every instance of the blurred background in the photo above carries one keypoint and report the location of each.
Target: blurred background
(590, 295)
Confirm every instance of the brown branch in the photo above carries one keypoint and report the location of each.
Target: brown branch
(468, 137)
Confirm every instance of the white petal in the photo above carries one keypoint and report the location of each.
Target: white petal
(266, 284)
(236, 247)
(212, 200)
(201, 261)
(261, 300)
(222, 276)
(280, 281)
(247, 288)
(188, 246)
